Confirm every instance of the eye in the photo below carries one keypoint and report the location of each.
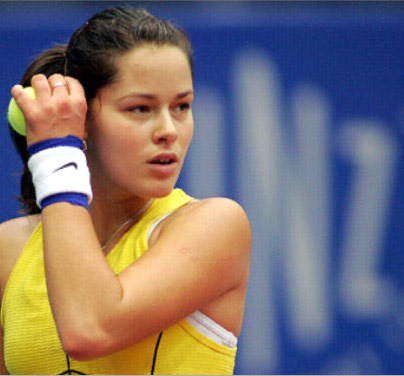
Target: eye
(182, 107)
(141, 109)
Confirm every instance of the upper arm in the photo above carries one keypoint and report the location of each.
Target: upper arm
(3, 370)
(13, 236)
(199, 255)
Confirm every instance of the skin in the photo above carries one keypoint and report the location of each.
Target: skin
(3, 370)
(198, 257)
(13, 236)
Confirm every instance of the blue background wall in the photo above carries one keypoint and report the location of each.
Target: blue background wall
(299, 116)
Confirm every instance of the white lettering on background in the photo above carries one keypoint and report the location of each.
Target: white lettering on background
(282, 159)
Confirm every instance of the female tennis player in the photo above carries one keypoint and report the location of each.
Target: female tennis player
(112, 269)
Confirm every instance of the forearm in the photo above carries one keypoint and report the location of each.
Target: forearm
(82, 288)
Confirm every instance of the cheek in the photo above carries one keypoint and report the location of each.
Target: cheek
(120, 150)
(112, 136)
(114, 149)
(187, 135)
(114, 160)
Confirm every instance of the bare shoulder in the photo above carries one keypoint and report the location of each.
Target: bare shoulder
(14, 234)
(217, 205)
(17, 231)
(218, 213)
(225, 213)
(218, 223)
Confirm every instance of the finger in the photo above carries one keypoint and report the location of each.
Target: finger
(75, 88)
(58, 83)
(22, 98)
(77, 95)
(42, 90)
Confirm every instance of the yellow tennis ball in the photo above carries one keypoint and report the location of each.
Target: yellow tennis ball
(15, 115)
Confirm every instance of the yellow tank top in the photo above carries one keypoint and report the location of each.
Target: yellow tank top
(31, 342)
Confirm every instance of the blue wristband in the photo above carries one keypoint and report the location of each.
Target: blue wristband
(73, 198)
(55, 142)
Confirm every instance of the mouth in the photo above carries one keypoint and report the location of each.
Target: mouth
(164, 159)
(164, 165)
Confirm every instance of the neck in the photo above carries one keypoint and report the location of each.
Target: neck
(110, 218)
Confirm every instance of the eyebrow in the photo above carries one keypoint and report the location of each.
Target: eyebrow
(152, 96)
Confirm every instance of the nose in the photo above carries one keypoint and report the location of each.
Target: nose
(165, 131)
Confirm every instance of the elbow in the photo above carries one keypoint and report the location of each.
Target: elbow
(84, 346)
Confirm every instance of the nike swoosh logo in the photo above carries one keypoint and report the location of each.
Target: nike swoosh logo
(70, 164)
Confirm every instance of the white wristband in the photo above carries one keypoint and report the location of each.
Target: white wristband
(61, 169)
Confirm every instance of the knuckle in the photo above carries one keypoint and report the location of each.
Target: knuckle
(48, 110)
(64, 106)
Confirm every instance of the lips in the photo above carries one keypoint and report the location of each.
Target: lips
(164, 159)
(164, 166)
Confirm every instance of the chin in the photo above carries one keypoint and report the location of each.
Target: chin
(160, 191)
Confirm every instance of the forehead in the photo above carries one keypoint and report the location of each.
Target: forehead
(150, 60)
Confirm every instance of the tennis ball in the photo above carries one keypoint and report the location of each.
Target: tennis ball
(15, 115)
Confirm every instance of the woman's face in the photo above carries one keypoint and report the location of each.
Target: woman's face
(140, 126)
